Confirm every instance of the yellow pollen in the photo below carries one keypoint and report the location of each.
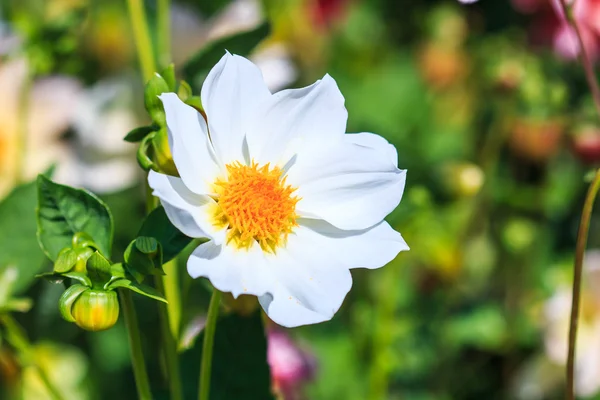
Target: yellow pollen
(255, 205)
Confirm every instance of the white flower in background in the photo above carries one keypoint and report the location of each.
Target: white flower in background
(190, 33)
(51, 102)
(557, 313)
(100, 159)
(289, 202)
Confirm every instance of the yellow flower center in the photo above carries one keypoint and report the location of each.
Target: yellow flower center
(255, 205)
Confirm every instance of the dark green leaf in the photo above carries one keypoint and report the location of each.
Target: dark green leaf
(154, 88)
(197, 67)
(98, 269)
(141, 263)
(158, 226)
(138, 134)
(18, 244)
(147, 245)
(239, 370)
(63, 211)
(139, 288)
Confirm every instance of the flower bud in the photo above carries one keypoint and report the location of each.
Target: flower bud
(90, 309)
(586, 144)
(536, 140)
(161, 152)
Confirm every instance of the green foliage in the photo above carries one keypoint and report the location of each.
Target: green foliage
(18, 245)
(197, 67)
(156, 86)
(64, 211)
(138, 134)
(239, 370)
(158, 226)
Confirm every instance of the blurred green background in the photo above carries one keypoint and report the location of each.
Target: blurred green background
(490, 115)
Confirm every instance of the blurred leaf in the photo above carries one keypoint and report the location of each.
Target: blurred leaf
(18, 244)
(63, 211)
(239, 370)
(197, 67)
(483, 328)
(158, 226)
(185, 90)
(138, 134)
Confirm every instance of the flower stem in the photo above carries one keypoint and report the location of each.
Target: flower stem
(207, 346)
(141, 35)
(582, 236)
(169, 346)
(16, 337)
(164, 32)
(135, 346)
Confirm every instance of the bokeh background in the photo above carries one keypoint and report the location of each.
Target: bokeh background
(490, 113)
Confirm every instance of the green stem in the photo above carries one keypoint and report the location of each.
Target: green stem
(582, 236)
(141, 35)
(164, 32)
(15, 335)
(169, 346)
(207, 346)
(169, 314)
(22, 132)
(135, 346)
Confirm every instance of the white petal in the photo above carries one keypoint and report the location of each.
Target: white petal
(311, 285)
(188, 211)
(368, 248)
(231, 96)
(231, 270)
(376, 142)
(298, 118)
(190, 145)
(352, 186)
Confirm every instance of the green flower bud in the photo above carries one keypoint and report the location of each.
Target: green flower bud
(90, 309)
(162, 153)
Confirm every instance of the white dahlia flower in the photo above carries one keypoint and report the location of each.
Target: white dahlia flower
(288, 201)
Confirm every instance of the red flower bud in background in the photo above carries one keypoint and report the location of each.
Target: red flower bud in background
(586, 144)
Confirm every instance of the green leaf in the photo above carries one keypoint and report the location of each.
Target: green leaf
(158, 226)
(185, 90)
(80, 277)
(168, 75)
(21, 304)
(239, 370)
(195, 102)
(197, 67)
(143, 158)
(138, 134)
(98, 269)
(145, 261)
(67, 258)
(68, 298)
(154, 88)
(18, 244)
(64, 211)
(140, 288)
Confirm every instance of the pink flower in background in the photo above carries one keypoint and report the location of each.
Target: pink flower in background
(550, 25)
(291, 366)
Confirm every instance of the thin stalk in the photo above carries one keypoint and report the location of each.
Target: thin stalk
(141, 35)
(169, 346)
(135, 346)
(22, 128)
(207, 346)
(169, 314)
(16, 337)
(584, 57)
(164, 32)
(582, 236)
